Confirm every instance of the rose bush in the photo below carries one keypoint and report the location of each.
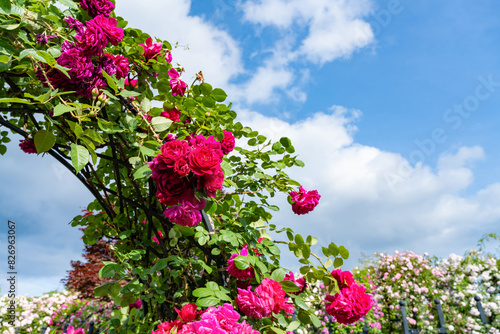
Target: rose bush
(179, 185)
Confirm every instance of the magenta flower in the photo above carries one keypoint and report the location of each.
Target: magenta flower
(97, 7)
(188, 213)
(151, 50)
(155, 239)
(72, 330)
(228, 142)
(27, 146)
(168, 56)
(304, 201)
(300, 282)
(178, 86)
(138, 302)
(349, 305)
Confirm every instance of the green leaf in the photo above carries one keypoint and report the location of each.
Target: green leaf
(111, 82)
(293, 326)
(285, 142)
(161, 123)
(163, 86)
(145, 105)
(289, 286)
(6, 6)
(208, 301)
(315, 320)
(328, 263)
(277, 330)
(103, 289)
(344, 253)
(159, 265)
(206, 89)
(242, 262)
(219, 95)
(108, 127)
(326, 251)
(208, 101)
(215, 251)
(79, 156)
(128, 93)
(202, 292)
(14, 100)
(301, 303)
(108, 270)
(278, 274)
(299, 240)
(144, 171)
(44, 140)
(334, 250)
(3, 149)
(47, 56)
(61, 109)
(338, 262)
(69, 3)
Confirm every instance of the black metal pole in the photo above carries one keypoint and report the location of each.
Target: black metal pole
(402, 308)
(481, 310)
(442, 324)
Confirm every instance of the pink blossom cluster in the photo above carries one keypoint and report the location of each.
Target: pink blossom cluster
(300, 282)
(304, 201)
(215, 320)
(85, 57)
(181, 167)
(351, 302)
(268, 298)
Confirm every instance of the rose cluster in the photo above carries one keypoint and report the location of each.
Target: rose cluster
(304, 201)
(268, 298)
(220, 320)
(85, 57)
(182, 167)
(351, 302)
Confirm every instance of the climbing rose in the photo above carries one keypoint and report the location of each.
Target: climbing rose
(304, 201)
(175, 155)
(300, 282)
(169, 186)
(269, 297)
(132, 82)
(239, 273)
(121, 63)
(98, 32)
(97, 7)
(211, 182)
(75, 25)
(151, 50)
(178, 86)
(27, 146)
(206, 156)
(138, 303)
(188, 312)
(80, 65)
(155, 239)
(344, 278)
(72, 330)
(174, 115)
(349, 305)
(168, 56)
(187, 213)
(228, 142)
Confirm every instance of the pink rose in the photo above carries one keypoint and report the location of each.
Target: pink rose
(304, 201)
(188, 312)
(344, 278)
(151, 50)
(228, 142)
(72, 330)
(27, 146)
(211, 182)
(155, 239)
(239, 273)
(205, 160)
(178, 86)
(169, 185)
(121, 63)
(174, 115)
(175, 155)
(251, 305)
(187, 213)
(97, 7)
(349, 305)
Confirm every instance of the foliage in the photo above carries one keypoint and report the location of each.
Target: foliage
(105, 101)
(84, 277)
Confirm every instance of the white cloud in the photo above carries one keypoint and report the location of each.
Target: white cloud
(335, 27)
(203, 46)
(360, 208)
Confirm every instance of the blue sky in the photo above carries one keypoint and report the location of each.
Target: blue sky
(366, 90)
